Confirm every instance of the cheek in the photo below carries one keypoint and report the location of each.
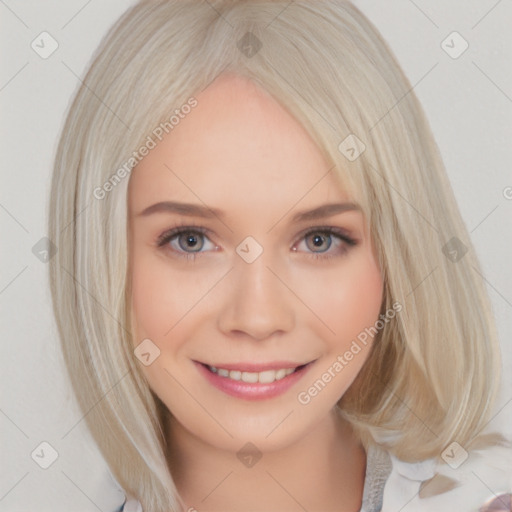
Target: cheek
(158, 301)
(356, 303)
(148, 303)
(347, 299)
(161, 296)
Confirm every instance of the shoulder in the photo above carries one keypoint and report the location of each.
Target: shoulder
(478, 481)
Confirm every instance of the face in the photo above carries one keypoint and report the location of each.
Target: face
(252, 272)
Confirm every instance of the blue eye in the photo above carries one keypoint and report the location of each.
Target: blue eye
(319, 241)
(185, 241)
(190, 240)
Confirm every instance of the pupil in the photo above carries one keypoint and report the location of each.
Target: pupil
(190, 241)
(319, 241)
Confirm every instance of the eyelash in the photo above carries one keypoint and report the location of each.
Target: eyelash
(342, 236)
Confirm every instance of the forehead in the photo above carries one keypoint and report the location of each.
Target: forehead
(237, 147)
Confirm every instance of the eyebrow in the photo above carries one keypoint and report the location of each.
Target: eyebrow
(192, 210)
(325, 210)
(196, 210)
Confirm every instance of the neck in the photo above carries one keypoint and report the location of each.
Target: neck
(324, 470)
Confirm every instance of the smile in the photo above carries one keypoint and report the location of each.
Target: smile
(265, 377)
(252, 381)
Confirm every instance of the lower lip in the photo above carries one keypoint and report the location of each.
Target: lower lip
(252, 391)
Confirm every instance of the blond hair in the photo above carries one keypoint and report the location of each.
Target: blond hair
(432, 375)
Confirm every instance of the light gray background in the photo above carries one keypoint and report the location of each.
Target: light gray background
(467, 100)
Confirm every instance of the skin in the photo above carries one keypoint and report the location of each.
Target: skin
(240, 152)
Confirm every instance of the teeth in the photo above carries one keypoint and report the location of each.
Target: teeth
(249, 377)
(266, 377)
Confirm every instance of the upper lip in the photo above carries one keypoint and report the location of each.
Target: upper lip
(257, 367)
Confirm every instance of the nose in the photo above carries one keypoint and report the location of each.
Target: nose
(256, 303)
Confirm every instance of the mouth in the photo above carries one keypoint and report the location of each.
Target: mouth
(251, 381)
(253, 377)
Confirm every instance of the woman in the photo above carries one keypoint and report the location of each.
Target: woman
(266, 297)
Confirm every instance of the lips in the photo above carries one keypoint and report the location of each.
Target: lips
(254, 381)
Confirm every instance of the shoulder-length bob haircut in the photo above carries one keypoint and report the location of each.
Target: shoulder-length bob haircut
(432, 374)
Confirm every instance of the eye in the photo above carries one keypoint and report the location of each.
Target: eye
(186, 241)
(190, 240)
(329, 240)
(319, 242)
